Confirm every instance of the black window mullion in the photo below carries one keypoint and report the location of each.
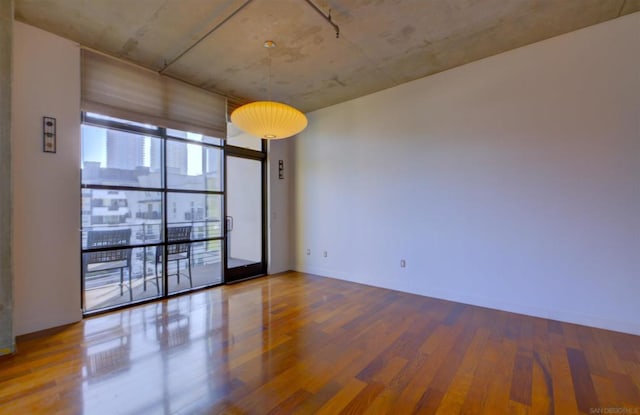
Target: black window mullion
(198, 143)
(192, 191)
(245, 153)
(165, 217)
(121, 188)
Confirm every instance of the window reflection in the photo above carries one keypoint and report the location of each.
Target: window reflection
(186, 355)
(107, 348)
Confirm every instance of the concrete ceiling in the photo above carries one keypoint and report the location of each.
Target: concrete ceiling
(382, 43)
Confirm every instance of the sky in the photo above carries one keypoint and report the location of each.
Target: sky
(94, 149)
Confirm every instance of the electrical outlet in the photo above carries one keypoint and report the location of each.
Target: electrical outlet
(308, 251)
(403, 263)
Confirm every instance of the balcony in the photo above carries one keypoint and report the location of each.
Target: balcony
(138, 276)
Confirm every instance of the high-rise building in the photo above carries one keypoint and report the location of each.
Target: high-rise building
(126, 151)
(176, 157)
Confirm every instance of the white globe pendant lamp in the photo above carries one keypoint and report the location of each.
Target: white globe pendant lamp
(269, 119)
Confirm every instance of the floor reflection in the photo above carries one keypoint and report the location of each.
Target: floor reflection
(161, 358)
(172, 327)
(107, 350)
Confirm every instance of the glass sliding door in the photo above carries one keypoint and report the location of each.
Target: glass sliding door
(245, 220)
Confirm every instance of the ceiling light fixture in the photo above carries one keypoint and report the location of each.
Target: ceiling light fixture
(269, 119)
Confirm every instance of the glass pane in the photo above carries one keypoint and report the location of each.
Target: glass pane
(112, 157)
(138, 212)
(119, 276)
(201, 212)
(241, 139)
(194, 137)
(195, 264)
(193, 166)
(244, 204)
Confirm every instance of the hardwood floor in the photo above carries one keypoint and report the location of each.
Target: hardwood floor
(299, 344)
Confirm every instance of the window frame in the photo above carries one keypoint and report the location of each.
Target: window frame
(165, 191)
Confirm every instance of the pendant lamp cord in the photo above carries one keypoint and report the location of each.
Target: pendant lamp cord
(269, 44)
(269, 75)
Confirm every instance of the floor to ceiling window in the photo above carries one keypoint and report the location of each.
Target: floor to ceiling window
(152, 206)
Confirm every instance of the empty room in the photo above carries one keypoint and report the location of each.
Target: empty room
(319, 207)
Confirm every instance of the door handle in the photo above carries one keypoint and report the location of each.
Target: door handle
(229, 223)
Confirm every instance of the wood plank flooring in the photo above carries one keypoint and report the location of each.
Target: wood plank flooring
(300, 344)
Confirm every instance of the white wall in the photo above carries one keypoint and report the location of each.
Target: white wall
(46, 82)
(512, 182)
(281, 206)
